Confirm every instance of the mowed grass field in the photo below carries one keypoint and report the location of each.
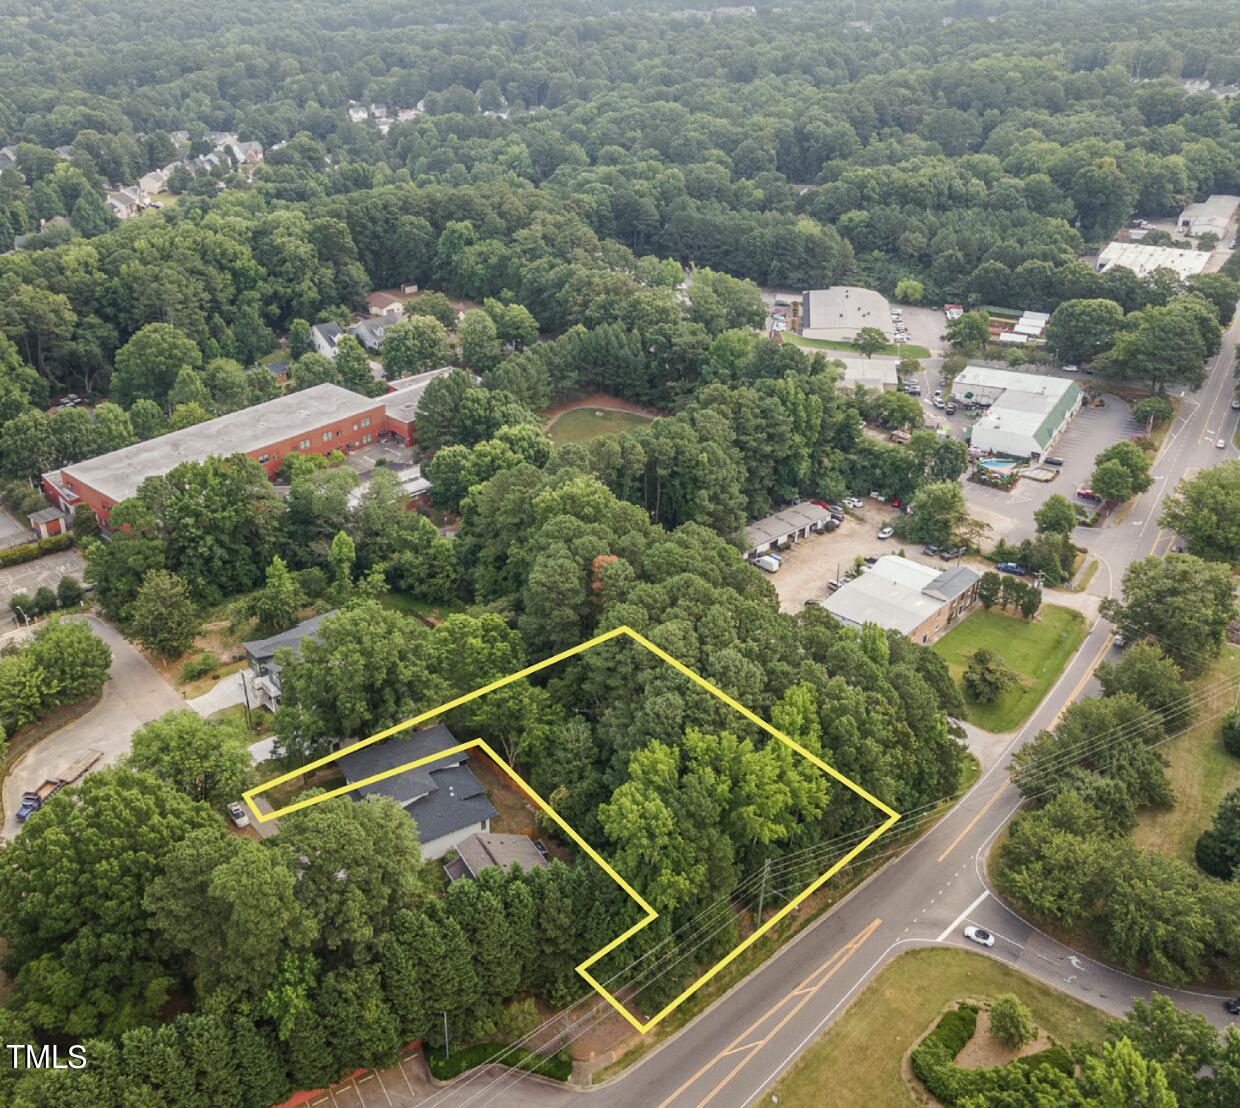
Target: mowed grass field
(856, 1063)
(1037, 651)
(894, 350)
(1201, 771)
(583, 424)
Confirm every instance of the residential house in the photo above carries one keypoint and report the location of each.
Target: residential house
(153, 182)
(486, 849)
(385, 304)
(246, 153)
(371, 332)
(261, 678)
(8, 157)
(124, 203)
(326, 337)
(443, 797)
(358, 113)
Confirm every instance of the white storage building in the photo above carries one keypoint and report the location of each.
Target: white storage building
(1211, 216)
(1143, 260)
(1028, 411)
(838, 313)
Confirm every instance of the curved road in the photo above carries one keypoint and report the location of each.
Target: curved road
(134, 695)
(733, 1051)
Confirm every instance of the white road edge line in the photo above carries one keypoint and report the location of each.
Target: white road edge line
(956, 922)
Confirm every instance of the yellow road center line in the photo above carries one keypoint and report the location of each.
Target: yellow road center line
(836, 960)
(973, 822)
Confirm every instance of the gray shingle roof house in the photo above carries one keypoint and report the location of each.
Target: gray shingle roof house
(445, 799)
(326, 337)
(262, 678)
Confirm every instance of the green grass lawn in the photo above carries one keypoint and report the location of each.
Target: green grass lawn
(1201, 771)
(583, 424)
(903, 350)
(1037, 651)
(859, 1057)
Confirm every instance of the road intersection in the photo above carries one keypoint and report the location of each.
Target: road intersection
(732, 1052)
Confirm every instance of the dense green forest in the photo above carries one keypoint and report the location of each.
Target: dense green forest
(564, 163)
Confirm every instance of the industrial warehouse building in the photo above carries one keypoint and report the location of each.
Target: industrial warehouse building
(881, 376)
(317, 420)
(838, 313)
(786, 527)
(1027, 411)
(898, 594)
(1211, 217)
(1143, 260)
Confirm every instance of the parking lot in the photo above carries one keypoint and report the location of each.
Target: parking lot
(809, 564)
(30, 576)
(1010, 514)
(405, 1083)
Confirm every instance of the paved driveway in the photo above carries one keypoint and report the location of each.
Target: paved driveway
(220, 696)
(136, 694)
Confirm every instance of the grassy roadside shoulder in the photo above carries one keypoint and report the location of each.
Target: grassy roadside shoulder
(813, 908)
(1201, 772)
(860, 1058)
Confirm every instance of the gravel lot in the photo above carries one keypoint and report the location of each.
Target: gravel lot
(808, 565)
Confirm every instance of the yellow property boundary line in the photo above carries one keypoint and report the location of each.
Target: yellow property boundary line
(650, 913)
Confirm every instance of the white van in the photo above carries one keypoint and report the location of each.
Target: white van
(767, 563)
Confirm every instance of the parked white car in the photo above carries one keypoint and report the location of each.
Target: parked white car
(238, 815)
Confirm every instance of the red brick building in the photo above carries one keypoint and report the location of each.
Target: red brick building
(400, 404)
(314, 421)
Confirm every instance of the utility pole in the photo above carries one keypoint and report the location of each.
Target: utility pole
(447, 1052)
(766, 871)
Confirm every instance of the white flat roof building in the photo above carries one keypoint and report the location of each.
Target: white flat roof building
(1027, 413)
(878, 375)
(1211, 216)
(838, 313)
(1143, 260)
(902, 595)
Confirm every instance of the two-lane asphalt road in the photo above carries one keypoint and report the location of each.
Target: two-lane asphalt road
(733, 1051)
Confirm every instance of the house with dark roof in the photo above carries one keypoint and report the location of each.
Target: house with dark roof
(443, 797)
(370, 332)
(326, 337)
(261, 678)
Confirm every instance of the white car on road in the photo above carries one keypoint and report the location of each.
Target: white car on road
(977, 935)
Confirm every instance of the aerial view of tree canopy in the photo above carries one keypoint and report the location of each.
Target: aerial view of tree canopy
(575, 198)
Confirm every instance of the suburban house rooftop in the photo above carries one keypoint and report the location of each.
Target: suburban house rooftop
(119, 474)
(443, 797)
